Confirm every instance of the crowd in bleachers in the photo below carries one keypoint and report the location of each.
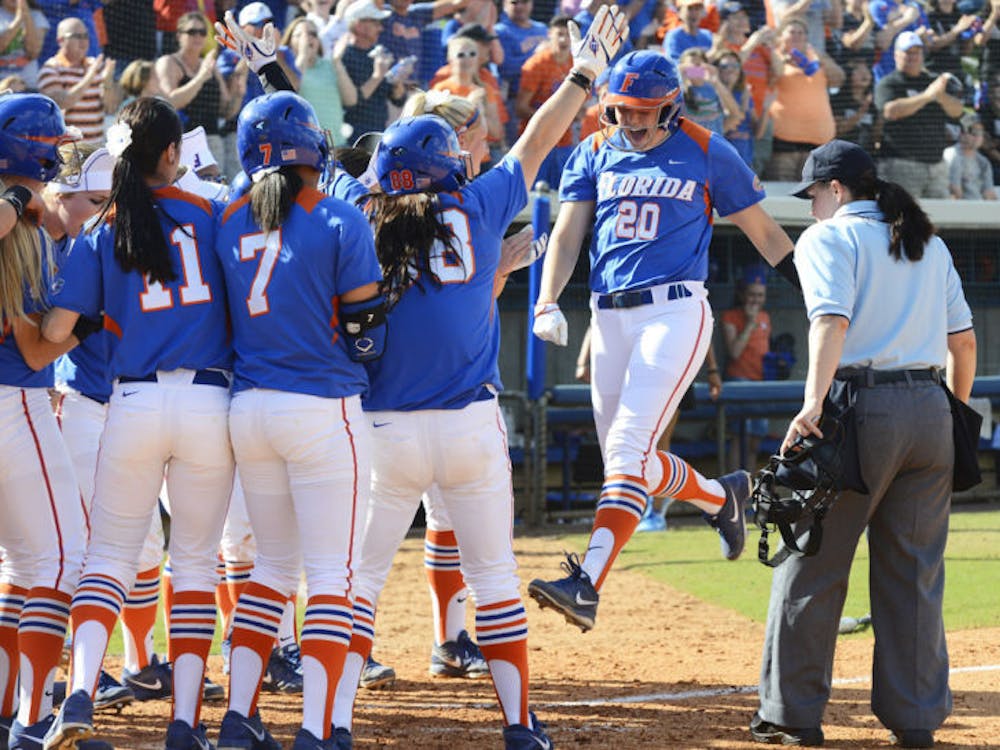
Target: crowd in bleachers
(917, 84)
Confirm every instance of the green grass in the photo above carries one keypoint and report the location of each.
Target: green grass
(687, 558)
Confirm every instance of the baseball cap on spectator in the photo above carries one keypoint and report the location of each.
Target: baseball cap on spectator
(755, 273)
(255, 14)
(365, 10)
(730, 8)
(836, 160)
(907, 40)
(475, 31)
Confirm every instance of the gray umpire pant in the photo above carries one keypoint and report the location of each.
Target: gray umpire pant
(906, 452)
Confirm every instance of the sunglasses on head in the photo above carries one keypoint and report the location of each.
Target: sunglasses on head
(194, 32)
(81, 35)
(728, 66)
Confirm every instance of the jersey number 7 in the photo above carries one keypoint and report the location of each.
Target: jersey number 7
(250, 245)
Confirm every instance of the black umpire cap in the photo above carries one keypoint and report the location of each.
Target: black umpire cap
(836, 160)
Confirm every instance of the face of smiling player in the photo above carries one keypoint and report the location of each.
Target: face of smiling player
(641, 126)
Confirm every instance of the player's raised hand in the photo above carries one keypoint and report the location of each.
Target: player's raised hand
(550, 324)
(521, 249)
(606, 35)
(256, 52)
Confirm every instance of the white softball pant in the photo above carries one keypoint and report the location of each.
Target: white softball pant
(42, 529)
(82, 422)
(643, 360)
(463, 451)
(171, 425)
(304, 463)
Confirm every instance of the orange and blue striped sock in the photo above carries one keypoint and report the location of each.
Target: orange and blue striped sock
(237, 577)
(681, 482)
(11, 604)
(96, 605)
(192, 627)
(138, 618)
(326, 636)
(255, 626)
(40, 634)
(444, 576)
(502, 634)
(619, 510)
(358, 651)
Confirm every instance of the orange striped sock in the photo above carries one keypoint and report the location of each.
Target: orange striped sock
(681, 482)
(138, 618)
(360, 648)
(96, 605)
(441, 561)
(11, 604)
(237, 577)
(619, 510)
(502, 633)
(192, 627)
(40, 634)
(255, 626)
(326, 635)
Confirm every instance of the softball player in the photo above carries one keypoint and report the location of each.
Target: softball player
(302, 277)
(648, 185)
(154, 274)
(41, 521)
(433, 411)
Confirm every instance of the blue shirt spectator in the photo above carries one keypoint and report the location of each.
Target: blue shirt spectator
(904, 15)
(519, 36)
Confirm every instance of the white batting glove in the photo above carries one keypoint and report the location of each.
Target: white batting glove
(550, 324)
(604, 38)
(257, 52)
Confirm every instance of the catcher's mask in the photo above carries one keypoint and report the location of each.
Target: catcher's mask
(811, 470)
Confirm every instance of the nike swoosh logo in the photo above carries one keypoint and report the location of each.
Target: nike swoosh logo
(584, 602)
(461, 600)
(380, 424)
(126, 394)
(736, 511)
(147, 685)
(545, 744)
(259, 736)
(202, 743)
(596, 546)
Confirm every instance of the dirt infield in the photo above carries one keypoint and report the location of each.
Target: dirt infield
(661, 670)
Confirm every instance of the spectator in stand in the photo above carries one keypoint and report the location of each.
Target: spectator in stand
(330, 24)
(989, 39)
(22, 31)
(746, 328)
(139, 79)
(688, 35)
(543, 72)
(130, 26)
(191, 82)
(988, 109)
(853, 107)
(706, 100)
(915, 106)
(464, 81)
(57, 10)
(401, 34)
(325, 83)
(83, 87)
(801, 110)
(816, 15)
(591, 120)
(368, 74)
(755, 50)
(520, 37)
(168, 15)
(945, 46)
(477, 14)
(741, 129)
(855, 37)
(970, 176)
(892, 17)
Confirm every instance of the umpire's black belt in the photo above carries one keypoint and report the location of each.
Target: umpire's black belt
(201, 377)
(866, 378)
(622, 300)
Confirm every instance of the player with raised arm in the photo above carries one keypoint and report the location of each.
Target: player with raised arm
(647, 184)
(153, 272)
(434, 410)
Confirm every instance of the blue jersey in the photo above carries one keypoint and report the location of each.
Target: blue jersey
(653, 209)
(86, 368)
(443, 341)
(13, 369)
(519, 44)
(178, 325)
(283, 294)
(347, 188)
(401, 35)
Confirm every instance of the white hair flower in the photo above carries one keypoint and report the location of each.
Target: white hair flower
(119, 138)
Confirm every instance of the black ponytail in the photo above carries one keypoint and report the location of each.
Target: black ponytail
(140, 244)
(910, 229)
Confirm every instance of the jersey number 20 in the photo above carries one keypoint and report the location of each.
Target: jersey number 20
(637, 222)
(194, 290)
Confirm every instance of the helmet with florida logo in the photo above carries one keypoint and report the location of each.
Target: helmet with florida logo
(419, 155)
(31, 130)
(643, 80)
(278, 130)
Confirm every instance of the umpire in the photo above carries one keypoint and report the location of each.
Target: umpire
(887, 312)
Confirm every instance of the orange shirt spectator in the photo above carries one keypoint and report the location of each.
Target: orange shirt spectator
(671, 21)
(749, 364)
(489, 83)
(541, 75)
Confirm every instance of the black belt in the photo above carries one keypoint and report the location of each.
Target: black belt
(103, 400)
(201, 377)
(638, 297)
(871, 378)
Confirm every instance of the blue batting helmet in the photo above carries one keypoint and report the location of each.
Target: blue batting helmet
(278, 130)
(417, 155)
(644, 80)
(31, 130)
